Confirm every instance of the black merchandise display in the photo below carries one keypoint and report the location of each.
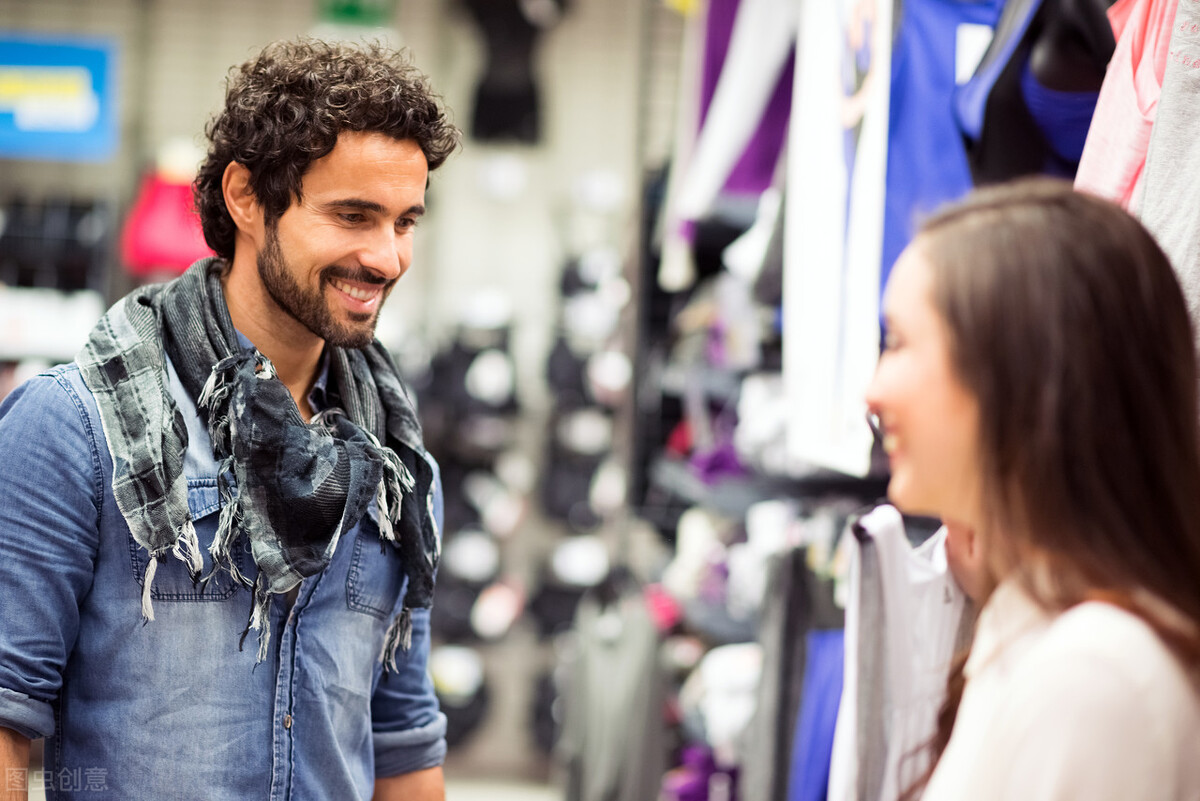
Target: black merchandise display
(507, 103)
(56, 243)
(1041, 76)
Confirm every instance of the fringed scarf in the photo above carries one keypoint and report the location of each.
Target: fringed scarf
(290, 488)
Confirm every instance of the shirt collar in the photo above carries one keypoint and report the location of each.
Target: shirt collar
(1008, 616)
(318, 395)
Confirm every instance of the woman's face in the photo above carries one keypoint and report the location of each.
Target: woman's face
(929, 420)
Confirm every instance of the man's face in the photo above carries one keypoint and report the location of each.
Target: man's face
(333, 257)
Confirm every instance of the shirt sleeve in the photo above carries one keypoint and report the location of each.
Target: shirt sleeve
(409, 727)
(50, 491)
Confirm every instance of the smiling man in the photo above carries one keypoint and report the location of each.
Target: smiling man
(219, 527)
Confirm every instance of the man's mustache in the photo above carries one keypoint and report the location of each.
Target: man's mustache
(362, 275)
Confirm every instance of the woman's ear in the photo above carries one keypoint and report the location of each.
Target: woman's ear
(240, 200)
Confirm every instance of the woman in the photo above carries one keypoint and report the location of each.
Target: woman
(1038, 388)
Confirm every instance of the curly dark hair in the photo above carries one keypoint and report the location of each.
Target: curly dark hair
(285, 108)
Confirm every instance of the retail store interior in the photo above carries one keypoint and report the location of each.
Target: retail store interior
(644, 396)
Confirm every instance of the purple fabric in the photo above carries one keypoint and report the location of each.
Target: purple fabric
(689, 781)
(718, 32)
(753, 173)
(755, 169)
(720, 463)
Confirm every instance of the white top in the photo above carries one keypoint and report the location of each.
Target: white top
(903, 617)
(1088, 704)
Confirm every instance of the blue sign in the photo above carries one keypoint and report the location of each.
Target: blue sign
(57, 98)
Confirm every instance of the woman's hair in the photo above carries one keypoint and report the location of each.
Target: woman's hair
(1067, 324)
(285, 108)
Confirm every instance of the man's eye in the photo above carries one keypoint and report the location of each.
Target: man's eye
(353, 217)
(891, 342)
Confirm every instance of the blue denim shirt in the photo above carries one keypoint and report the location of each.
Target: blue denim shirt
(174, 708)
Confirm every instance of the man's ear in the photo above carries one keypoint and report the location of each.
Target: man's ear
(243, 206)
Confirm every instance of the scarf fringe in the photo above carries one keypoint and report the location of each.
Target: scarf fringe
(214, 397)
(187, 550)
(395, 481)
(147, 584)
(260, 621)
(398, 637)
(433, 550)
(228, 528)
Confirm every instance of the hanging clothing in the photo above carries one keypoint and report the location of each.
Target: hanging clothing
(784, 619)
(613, 737)
(1016, 122)
(905, 620)
(796, 603)
(813, 742)
(507, 106)
(1061, 117)
(833, 223)
(1172, 193)
(744, 125)
(1088, 703)
(939, 43)
(730, 140)
(1114, 155)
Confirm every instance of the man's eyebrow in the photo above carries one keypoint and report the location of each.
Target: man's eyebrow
(371, 206)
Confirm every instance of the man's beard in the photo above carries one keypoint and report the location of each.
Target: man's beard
(309, 306)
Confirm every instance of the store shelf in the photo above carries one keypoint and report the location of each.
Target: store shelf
(716, 383)
(734, 495)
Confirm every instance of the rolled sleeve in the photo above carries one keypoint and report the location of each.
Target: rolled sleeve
(27, 716)
(409, 728)
(49, 491)
(416, 749)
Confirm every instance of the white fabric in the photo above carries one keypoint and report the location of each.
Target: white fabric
(922, 612)
(1085, 705)
(1170, 190)
(843, 762)
(831, 258)
(761, 39)
(763, 34)
(677, 269)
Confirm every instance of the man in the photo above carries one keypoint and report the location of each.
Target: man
(218, 526)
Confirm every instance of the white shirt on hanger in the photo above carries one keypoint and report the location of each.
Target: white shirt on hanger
(1087, 704)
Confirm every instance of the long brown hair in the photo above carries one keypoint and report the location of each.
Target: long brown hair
(1068, 325)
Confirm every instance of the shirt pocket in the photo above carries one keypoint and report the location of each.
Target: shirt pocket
(376, 576)
(172, 582)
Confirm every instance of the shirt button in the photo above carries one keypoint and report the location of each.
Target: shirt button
(287, 721)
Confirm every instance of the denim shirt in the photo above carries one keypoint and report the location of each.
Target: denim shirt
(175, 708)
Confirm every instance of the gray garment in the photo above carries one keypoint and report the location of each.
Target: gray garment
(767, 741)
(613, 740)
(797, 601)
(1170, 192)
(872, 674)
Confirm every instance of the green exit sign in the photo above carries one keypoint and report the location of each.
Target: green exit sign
(371, 13)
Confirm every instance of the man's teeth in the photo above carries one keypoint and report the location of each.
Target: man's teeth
(889, 443)
(355, 292)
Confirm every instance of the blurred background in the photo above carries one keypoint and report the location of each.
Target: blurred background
(523, 281)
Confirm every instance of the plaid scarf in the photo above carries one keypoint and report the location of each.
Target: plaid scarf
(291, 489)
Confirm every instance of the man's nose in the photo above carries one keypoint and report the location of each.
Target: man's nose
(382, 253)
